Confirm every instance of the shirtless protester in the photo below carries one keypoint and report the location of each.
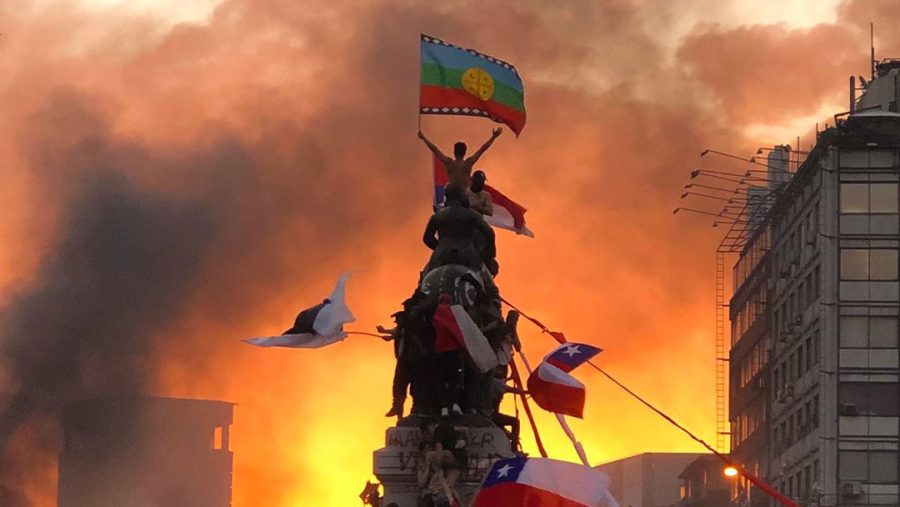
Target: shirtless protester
(459, 168)
(479, 198)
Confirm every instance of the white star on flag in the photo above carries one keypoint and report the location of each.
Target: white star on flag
(504, 470)
(571, 351)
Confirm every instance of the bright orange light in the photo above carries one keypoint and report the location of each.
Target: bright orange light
(730, 471)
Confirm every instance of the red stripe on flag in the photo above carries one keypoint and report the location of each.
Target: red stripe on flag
(440, 97)
(440, 172)
(448, 335)
(514, 494)
(553, 397)
(515, 209)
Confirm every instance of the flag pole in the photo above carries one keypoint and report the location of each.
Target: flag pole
(419, 92)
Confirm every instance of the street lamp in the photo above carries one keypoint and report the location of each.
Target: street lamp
(730, 472)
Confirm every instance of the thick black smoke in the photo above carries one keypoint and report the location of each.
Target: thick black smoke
(120, 274)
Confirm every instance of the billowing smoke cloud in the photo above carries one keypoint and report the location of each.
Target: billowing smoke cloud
(172, 189)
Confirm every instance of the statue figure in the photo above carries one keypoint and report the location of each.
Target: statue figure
(452, 232)
(459, 168)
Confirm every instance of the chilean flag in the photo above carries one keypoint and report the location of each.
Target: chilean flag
(569, 356)
(455, 329)
(542, 482)
(556, 391)
(508, 214)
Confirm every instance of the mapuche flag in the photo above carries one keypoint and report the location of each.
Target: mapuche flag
(461, 81)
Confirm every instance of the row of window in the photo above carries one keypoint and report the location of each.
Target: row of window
(748, 421)
(797, 425)
(861, 331)
(872, 467)
(798, 300)
(803, 235)
(869, 198)
(869, 264)
(799, 485)
(753, 362)
(796, 363)
(877, 399)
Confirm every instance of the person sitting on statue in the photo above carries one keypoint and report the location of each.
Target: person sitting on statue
(479, 198)
(452, 233)
(459, 168)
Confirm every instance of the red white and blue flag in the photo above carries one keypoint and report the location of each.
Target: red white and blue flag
(508, 214)
(550, 384)
(569, 356)
(556, 391)
(542, 482)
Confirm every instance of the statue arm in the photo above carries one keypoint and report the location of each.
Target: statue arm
(489, 236)
(430, 236)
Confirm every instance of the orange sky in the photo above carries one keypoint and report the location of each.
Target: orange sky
(279, 139)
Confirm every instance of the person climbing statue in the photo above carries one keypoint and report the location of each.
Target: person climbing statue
(408, 349)
(452, 232)
(459, 168)
(479, 198)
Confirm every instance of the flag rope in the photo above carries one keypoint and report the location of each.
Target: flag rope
(769, 490)
(363, 333)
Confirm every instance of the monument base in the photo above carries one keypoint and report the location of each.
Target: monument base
(397, 463)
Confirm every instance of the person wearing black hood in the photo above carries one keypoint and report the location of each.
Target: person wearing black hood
(479, 198)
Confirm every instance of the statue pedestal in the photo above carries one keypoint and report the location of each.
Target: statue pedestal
(396, 463)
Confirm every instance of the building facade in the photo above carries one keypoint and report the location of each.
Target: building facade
(146, 452)
(648, 480)
(814, 396)
(704, 485)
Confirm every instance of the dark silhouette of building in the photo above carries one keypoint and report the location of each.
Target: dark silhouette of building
(140, 452)
(703, 484)
(647, 480)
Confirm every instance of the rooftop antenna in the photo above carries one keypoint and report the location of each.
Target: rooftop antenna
(872, 47)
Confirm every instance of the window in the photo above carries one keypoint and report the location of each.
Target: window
(816, 281)
(814, 417)
(868, 198)
(803, 365)
(807, 479)
(854, 466)
(870, 467)
(860, 264)
(865, 332)
(871, 398)
(854, 332)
